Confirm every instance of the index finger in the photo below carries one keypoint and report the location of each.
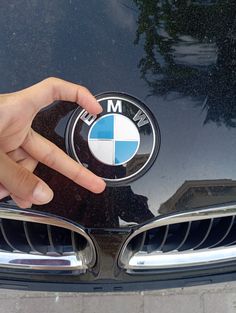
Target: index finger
(49, 154)
(51, 89)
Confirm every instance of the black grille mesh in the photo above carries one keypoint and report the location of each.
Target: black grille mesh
(193, 235)
(31, 237)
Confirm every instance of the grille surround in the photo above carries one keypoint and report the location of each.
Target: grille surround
(135, 260)
(78, 253)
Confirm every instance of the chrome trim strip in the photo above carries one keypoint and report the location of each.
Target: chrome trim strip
(158, 259)
(69, 261)
(41, 262)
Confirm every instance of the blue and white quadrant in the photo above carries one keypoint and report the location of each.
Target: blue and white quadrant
(113, 139)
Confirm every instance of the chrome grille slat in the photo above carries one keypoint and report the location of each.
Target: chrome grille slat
(5, 236)
(175, 237)
(28, 238)
(62, 242)
(158, 238)
(3, 244)
(164, 238)
(41, 241)
(231, 243)
(230, 239)
(49, 232)
(143, 240)
(185, 237)
(218, 230)
(226, 234)
(204, 236)
(73, 241)
(15, 233)
(196, 234)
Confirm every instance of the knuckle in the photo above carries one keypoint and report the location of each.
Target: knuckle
(6, 102)
(52, 84)
(50, 158)
(83, 89)
(26, 181)
(76, 177)
(29, 138)
(51, 80)
(23, 176)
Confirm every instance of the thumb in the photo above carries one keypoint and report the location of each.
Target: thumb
(22, 183)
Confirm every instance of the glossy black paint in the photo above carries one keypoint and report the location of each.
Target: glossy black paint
(179, 59)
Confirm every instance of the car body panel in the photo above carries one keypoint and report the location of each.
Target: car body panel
(177, 59)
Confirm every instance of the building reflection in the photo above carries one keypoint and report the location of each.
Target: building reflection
(200, 193)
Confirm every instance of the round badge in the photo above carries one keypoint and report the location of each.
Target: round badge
(120, 144)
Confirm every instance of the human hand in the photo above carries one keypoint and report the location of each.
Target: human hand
(21, 148)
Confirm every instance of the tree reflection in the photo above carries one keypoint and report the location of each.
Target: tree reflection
(162, 25)
(149, 24)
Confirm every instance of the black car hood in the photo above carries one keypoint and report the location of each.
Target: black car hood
(179, 60)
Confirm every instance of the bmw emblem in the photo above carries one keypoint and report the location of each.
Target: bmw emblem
(120, 144)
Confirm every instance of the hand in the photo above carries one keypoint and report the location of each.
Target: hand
(21, 148)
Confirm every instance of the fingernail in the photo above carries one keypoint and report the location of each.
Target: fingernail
(100, 109)
(99, 185)
(42, 193)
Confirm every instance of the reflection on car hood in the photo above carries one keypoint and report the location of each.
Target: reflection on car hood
(179, 59)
